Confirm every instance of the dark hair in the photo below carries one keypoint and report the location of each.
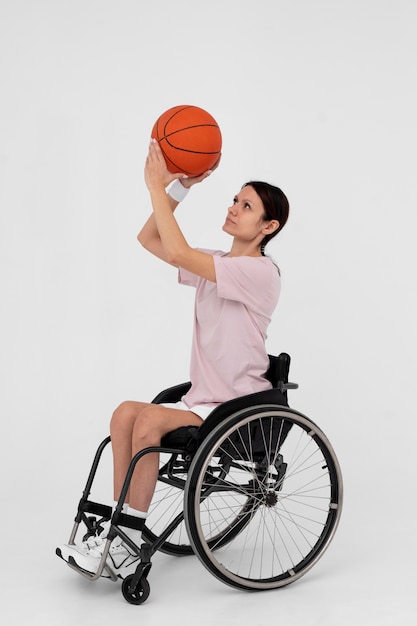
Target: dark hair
(276, 206)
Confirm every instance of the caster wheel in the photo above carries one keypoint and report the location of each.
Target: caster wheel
(137, 595)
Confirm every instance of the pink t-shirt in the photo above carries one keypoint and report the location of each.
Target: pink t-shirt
(228, 355)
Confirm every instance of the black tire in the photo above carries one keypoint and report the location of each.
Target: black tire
(137, 595)
(279, 494)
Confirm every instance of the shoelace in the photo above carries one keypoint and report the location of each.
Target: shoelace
(94, 542)
(98, 541)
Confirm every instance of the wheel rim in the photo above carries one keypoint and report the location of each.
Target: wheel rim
(288, 521)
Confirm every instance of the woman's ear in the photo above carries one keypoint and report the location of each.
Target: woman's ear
(271, 227)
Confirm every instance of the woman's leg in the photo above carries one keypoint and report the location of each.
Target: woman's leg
(151, 424)
(134, 426)
(121, 431)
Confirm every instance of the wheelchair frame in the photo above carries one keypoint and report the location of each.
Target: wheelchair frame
(255, 492)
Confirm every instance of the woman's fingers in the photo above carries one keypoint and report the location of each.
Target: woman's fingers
(156, 171)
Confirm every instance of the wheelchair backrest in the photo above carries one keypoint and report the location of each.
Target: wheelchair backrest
(279, 367)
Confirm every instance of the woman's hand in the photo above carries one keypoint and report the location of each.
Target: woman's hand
(158, 175)
(156, 171)
(189, 182)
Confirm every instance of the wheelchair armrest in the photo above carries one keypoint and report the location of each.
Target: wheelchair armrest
(172, 394)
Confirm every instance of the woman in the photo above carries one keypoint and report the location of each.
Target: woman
(236, 294)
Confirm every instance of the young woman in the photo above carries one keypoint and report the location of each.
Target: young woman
(236, 294)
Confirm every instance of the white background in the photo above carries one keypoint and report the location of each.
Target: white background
(316, 96)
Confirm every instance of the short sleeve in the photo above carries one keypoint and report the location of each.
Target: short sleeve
(253, 281)
(187, 278)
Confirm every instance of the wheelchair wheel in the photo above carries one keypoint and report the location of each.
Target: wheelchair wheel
(167, 506)
(263, 498)
(137, 595)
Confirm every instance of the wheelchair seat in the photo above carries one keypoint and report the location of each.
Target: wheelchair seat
(189, 437)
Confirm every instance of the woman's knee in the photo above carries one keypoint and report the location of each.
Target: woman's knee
(146, 431)
(125, 415)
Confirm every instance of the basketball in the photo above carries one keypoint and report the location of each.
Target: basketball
(190, 139)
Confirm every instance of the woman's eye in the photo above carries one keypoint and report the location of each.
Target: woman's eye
(234, 200)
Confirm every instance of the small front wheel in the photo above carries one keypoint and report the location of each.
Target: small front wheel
(135, 594)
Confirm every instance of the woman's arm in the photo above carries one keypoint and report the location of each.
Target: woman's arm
(172, 246)
(149, 236)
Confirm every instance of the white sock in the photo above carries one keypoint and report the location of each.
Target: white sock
(132, 533)
(124, 508)
(106, 525)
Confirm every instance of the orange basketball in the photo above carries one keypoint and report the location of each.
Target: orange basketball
(189, 138)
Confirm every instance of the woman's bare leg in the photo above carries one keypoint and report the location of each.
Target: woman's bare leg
(121, 431)
(152, 423)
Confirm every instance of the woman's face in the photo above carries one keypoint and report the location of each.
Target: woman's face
(244, 218)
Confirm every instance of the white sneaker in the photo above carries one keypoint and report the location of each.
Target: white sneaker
(87, 555)
(73, 552)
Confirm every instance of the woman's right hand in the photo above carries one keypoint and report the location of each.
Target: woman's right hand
(188, 182)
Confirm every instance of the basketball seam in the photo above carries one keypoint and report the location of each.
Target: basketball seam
(184, 108)
(190, 151)
(187, 149)
(183, 170)
(181, 130)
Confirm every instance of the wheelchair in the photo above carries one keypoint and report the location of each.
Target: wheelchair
(255, 493)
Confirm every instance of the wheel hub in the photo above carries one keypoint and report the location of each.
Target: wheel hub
(271, 498)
